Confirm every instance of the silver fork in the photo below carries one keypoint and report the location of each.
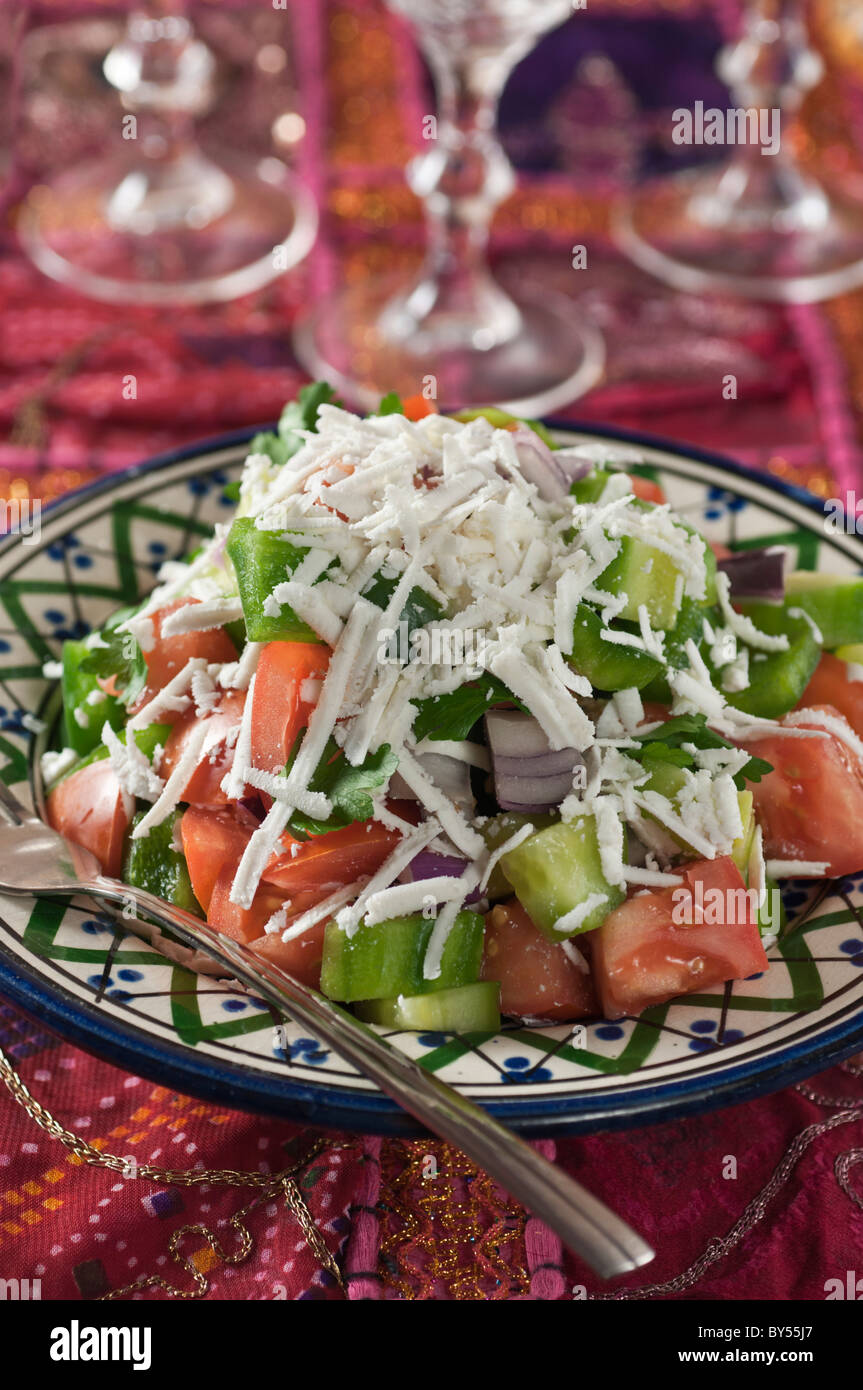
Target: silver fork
(35, 859)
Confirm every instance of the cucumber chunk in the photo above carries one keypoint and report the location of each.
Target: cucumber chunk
(741, 850)
(386, 960)
(834, 605)
(261, 560)
(502, 420)
(557, 870)
(467, 1009)
(853, 654)
(86, 707)
(153, 863)
(608, 665)
(777, 679)
(498, 829)
(646, 576)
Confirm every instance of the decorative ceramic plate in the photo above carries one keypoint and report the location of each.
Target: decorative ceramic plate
(79, 971)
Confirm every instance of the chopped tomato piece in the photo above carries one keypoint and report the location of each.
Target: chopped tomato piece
(168, 655)
(217, 753)
(537, 977)
(242, 923)
(416, 407)
(89, 808)
(657, 945)
(647, 489)
(213, 840)
(810, 807)
(334, 860)
(286, 690)
(832, 685)
(300, 957)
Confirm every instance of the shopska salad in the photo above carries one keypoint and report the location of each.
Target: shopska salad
(451, 721)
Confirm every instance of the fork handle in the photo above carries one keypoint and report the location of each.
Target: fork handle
(607, 1244)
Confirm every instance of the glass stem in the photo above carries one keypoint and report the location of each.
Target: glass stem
(769, 71)
(456, 302)
(164, 75)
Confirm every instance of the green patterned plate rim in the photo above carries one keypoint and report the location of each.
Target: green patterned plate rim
(78, 971)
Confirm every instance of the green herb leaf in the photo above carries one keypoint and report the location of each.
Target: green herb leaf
(302, 414)
(665, 745)
(391, 404)
(347, 787)
(453, 716)
(120, 657)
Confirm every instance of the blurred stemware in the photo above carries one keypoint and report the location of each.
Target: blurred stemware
(453, 321)
(159, 220)
(761, 225)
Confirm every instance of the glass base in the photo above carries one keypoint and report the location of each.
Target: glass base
(553, 358)
(123, 235)
(687, 233)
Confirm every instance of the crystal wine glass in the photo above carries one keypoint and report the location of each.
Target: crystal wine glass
(453, 325)
(760, 226)
(159, 220)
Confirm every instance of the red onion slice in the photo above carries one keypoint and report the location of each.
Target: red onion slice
(429, 864)
(756, 573)
(529, 776)
(450, 775)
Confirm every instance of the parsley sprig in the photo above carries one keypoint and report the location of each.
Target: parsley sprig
(348, 788)
(665, 745)
(120, 657)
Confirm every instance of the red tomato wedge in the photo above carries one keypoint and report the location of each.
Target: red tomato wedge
(168, 655)
(286, 688)
(831, 685)
(810, 807)
(242, 923)
(300, 957)
(647, 489)
(213, 839)
(653, 948)
(217, 754)
(89, 808)
(537, 978)
(334, 860)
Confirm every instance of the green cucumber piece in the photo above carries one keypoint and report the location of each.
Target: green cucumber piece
(853, 653)
(835, 605)
(591, 487)
(386, 960)
(646, 576)
(153, 863)
(502, 420)
(777, 681)
(496, 831)
(261, 560)
(741, 850)
(607, 665)
(556, 870)
(466, 1009)
(82, 720)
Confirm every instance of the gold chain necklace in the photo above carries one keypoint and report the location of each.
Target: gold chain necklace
(269, 1185)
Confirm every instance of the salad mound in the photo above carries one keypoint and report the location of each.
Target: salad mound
(450, 721)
